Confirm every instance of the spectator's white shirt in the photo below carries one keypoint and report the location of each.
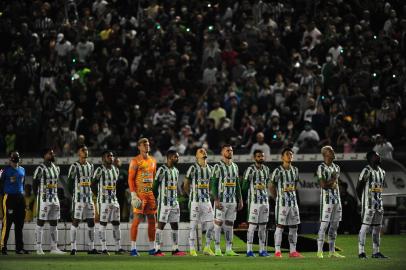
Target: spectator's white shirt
(263, 147)
(315, 34)
(62, 49)
(84, 50)
(165, 118)
(99, 7)
(180, 148)
(209, 76)
(308, 135)
(384, 150)
(308, 114)
(335, 52)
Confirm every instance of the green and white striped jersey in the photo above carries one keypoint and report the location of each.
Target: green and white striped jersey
(47, 177)
(81, 175)
(258, 180)
(372, 193)
(166, 182)
(199, 178)
(325, 172)
(285, 182)
(225, 182)
(106, 179)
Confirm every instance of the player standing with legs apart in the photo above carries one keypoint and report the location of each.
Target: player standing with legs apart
(226, 191)
(283, 189)
(141, 173)
(256, 183)
(328, 174)
(45, 186)
(197, 184)
(369, 189)
(79, 184)
(166, 191)
(104, 184)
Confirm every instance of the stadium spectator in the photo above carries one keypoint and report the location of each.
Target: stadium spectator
(383, 147)
(189, 56)
(261, 145)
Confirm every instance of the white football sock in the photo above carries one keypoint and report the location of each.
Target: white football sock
(292, 239)
(278, 239)
(250, 236)
(321, 235)
(262, 237)
(361, 238)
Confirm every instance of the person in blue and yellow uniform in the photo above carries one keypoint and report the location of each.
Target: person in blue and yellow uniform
(13, 204)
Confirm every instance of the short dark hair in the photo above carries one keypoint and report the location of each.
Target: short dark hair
(105, 152)
(258, 151)
(286, 149)
(370, 154)
(45, 150)
(170, 153)
(226, 145)
(11, 152)
(80, 146)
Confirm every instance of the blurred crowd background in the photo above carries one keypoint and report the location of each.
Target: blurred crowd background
(253, 73)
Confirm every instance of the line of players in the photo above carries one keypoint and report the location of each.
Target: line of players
(154, 194)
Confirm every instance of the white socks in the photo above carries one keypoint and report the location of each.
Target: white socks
(278, 239)
(209, 232)
(292, 239)
(321, 234)
(262, 237)
(217, 236)
(174, 234)
(53, 230)
(102, 236)
(73, 232)
(117, 236)
(158, 239)
(361, 238)
(192, 234)
(229, 233)
(91, 232)
(133, 245)
(332, 235)
(376, 238)
(250, 236)
(39, 230)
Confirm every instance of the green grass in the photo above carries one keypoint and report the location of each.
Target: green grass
(392, 245)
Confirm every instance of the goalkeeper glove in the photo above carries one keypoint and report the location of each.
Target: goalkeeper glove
(135, 201)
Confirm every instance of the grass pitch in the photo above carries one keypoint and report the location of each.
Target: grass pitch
(392, 245)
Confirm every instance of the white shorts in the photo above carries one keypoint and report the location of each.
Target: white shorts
(229, 212)
(168, 214)
(258, 213)
(287, 215)
(331, 212)
(109, 212)
(372, 216)
(83, 210)
(201, 211)
(49, 211)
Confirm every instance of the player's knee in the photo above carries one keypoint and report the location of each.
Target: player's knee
(75, 222)
(218, 223)
(174, 226)
(90, 223)
(229, 223)
(53, 222)
(40, 222)
(115, 223)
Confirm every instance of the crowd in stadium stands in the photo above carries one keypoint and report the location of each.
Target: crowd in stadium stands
(192, 73)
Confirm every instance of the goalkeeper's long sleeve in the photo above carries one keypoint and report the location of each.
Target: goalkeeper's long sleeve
(214, 188)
